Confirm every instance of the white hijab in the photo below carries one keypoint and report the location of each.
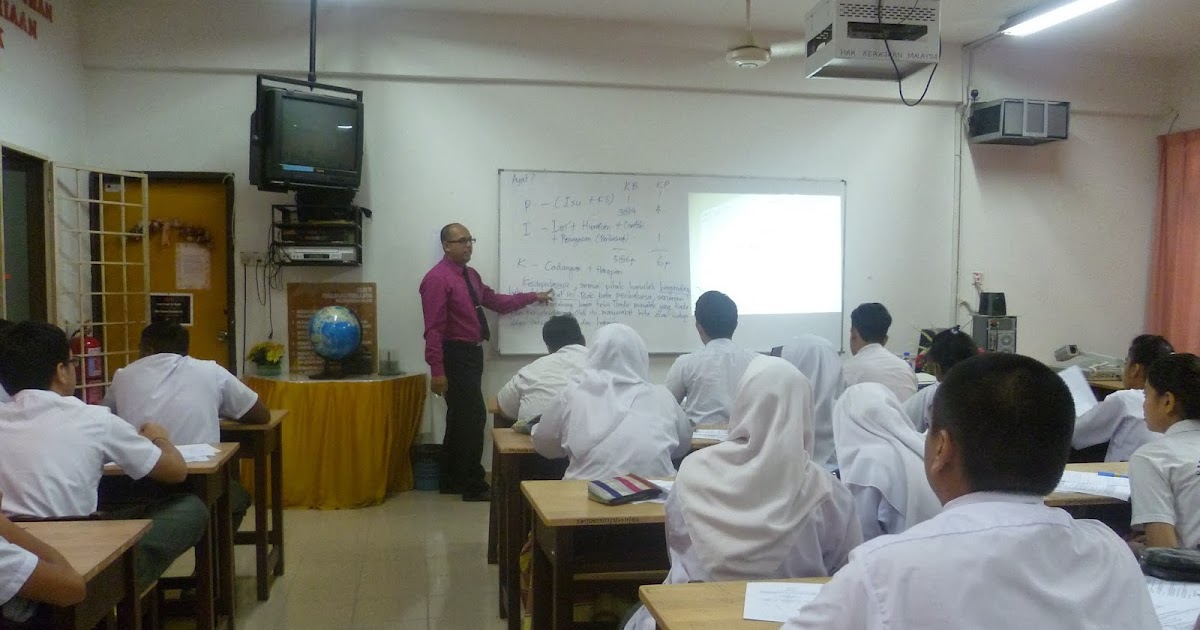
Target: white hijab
(614, 375)
(744, 499)
(877, 447)
(818, 360)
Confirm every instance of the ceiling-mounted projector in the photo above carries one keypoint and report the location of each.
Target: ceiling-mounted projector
(847, 38)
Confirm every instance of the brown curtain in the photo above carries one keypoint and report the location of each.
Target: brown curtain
(1174, 304)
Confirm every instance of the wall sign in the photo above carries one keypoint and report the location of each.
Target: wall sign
(24, 15)
(171, 306)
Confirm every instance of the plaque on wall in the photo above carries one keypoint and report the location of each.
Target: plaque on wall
(176, 307)
(306, 298)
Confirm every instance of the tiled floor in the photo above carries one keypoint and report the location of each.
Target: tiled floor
(417, 562)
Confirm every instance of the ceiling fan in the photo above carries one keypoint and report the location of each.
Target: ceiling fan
(749, 55)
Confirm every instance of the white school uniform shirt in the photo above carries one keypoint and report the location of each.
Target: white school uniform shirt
(535, 386)
(874, 364)
(704, 381)
(882, 461)
(827, 535)
(1119, 420)
(54, 448)
(919, 408)
(989, 560)
(16, 565)
(1164, 482)
(187, 396)
(4, 397)
(612, 421)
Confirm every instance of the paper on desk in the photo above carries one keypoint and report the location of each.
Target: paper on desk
(777, 601)
(710, 434)
(196, 452)
(1081, 392)
(1177, 604)
(1091, 483)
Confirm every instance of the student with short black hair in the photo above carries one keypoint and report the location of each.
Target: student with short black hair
(870, 362)
(996, 556)
(1163, 479)
(946, 349)
(1119, 419)
(704, 381)
(54, 447)
(531, 390)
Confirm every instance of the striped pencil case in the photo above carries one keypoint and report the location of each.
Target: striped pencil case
(621, 490)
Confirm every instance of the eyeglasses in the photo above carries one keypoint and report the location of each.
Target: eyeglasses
(463, 241)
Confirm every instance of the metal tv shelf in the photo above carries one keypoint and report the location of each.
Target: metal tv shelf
(316, 236)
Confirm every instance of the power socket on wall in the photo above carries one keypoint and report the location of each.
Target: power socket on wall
(977, 279)
(252, 258)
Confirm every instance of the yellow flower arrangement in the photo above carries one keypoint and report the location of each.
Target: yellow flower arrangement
(266, 353)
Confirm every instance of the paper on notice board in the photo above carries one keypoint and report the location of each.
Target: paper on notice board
(192, 265)
(777, 601)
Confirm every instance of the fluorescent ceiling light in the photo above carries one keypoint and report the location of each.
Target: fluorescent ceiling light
(1039, 19)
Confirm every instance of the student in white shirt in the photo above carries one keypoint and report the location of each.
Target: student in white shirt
(185, 395)
(819, 362)
(53, 448)
(871, 362)
(756, 506)
(946, 349)
(4, 325)
(1164, 475)
(32, 571)
(704, 382)
(1119, 418)
(538, 384)
(996, 556)
(613, 421)
(882, 461)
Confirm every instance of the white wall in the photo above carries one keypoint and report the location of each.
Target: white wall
(451, 100)
(1186, 95)
(41, 85)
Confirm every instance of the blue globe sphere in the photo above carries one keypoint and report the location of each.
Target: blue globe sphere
(335, 332)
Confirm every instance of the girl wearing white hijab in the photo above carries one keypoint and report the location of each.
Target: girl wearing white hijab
(818, 361)
(756, 506)
(882, 461)
(612, 421)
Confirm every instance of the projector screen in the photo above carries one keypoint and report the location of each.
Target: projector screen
(639, 249)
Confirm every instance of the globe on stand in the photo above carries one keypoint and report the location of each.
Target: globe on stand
(335, 334)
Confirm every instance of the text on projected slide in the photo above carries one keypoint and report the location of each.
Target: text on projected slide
(604, 252)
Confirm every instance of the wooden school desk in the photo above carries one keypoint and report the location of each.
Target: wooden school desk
(499, 421)
(1102, 388)
(263, 445)
(209, 480)
(514, 461)
(705, 605)
(1075, 499)
(574, 535)
(102, 552)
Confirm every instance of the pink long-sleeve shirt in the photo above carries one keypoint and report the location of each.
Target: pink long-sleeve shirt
(449, 312)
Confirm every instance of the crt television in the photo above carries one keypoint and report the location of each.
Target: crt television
(305, 139)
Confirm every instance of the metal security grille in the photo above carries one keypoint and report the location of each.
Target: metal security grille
(101, 271)
(871, 12)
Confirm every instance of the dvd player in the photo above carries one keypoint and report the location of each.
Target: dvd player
(339, 254)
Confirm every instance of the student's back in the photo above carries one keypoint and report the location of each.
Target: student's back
(613, 421)
(185, 395)
(704, 381)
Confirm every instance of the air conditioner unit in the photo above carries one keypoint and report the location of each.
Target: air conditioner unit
(1017, 121)
(847, 38)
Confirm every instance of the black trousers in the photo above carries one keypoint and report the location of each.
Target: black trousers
(466, 415)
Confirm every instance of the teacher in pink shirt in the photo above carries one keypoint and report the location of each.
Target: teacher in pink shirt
(453, 298)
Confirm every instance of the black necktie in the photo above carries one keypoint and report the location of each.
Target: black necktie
(483, 325)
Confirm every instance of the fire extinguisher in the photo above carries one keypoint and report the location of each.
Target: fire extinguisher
(89, 367)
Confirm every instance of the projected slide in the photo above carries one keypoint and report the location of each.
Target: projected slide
(773, 254)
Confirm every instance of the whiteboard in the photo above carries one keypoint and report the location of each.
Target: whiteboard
(614, 247)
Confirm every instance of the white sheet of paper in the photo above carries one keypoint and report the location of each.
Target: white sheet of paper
(777, 601)
(710, 434)
(192, 265)
(1081, 392)
(1177, 604)
(1177, 590)
(196, 452)
(1091, 483)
